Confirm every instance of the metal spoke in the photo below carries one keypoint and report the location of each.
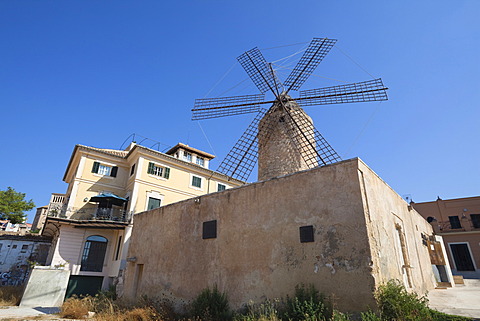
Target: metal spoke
(260, 71)
(226, 106)
(316, 51)
(372, 90)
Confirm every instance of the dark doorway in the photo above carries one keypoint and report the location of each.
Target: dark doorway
(82, 285)
(462, 258)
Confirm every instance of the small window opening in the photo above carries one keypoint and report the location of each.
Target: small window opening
(306, 234)
(209, 230)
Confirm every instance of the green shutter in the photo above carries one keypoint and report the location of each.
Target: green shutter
(95, 167)
(150, 168)
(114, 171)
(166, 173)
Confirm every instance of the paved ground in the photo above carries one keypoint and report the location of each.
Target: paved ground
(461, 300)
(24, 312)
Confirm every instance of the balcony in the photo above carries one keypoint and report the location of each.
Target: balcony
(462, 225)
(114, 214)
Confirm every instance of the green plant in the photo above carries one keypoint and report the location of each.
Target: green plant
(395, 303)
(307, 305)
(266, 311)
(370, 316)
(212, 305)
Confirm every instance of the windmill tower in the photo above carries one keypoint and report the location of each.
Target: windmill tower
(283, 137)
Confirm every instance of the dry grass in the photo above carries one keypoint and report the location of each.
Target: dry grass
(10, 295)
(75, 308)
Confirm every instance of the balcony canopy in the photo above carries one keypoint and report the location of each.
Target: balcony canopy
(109, 198)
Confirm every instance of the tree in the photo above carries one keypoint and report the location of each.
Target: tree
(13, 205)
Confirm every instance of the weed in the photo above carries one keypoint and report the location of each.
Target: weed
(307, 305)
(211, 305)
(75, 308)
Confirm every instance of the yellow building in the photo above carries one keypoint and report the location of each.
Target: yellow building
(91, 224)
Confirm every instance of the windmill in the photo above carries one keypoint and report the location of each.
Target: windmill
(283, 137)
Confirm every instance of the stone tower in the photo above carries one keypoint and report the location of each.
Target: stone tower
(285, 146)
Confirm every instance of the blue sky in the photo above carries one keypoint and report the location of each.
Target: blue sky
(94, 72)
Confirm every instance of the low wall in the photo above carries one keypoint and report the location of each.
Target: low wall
(46, 287)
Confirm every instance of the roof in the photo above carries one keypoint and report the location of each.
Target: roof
(172, 151)
(124, 154)
(56, 222)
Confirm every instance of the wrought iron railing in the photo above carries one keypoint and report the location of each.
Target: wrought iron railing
(464, 224)
(91, 213)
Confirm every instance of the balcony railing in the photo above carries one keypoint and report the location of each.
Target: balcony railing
(464, 224)
(91, 214)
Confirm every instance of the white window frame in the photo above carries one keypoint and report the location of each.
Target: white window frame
(226, 187)
(469, 250)
(201, 182)
(187, 156)
(200, 161)
(104, 170)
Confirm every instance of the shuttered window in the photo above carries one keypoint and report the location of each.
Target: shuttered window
(196, 181)
(158, 170)
(104, 169)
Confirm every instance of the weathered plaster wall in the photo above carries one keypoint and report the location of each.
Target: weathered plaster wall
(257, 253)
(388, 216)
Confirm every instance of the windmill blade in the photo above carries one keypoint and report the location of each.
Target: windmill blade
(316, 51)
(313, 147)
(260, 71)
(226, 106)
(242, 158)
(372, 90)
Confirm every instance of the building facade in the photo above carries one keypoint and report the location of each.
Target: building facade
(18, 253)
(339, 227)
(91, 223)
(458, 222)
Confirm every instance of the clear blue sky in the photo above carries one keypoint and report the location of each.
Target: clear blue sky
(93, 72)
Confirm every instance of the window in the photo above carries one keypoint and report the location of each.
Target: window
(24, 247)
(117, 253)
(153, 203)
(14, 247)
(306, 234)
(94, 254)
(209, 230)
(158, 170)
(221, 187)
(197, 181)
(132, 170)
(104, 169)
(200, 161)
(475, 220)
(454, 222)
(187, 156)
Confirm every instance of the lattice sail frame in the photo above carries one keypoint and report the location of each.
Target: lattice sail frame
(242, 158)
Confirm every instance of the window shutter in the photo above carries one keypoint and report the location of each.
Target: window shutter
(113, 173)
(166, 173)
(95, 167)
(150, 168)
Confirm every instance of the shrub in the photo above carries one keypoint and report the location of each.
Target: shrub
(396, 304)
(211, 305)
(307, 305)
(267, 311)
(75, 308)
(10, 295)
